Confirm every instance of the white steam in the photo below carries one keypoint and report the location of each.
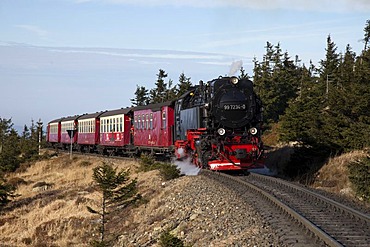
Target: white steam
(235, 67)
(184, 164)
(186, 167)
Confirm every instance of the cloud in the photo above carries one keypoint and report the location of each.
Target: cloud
(33, 29)
(322, 5)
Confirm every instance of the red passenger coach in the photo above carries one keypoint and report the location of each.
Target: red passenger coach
(88, 132)
(68, 123)
(153, 126)
(115, 129)
(53, 132)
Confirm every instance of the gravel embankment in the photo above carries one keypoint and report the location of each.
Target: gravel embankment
(201, 213)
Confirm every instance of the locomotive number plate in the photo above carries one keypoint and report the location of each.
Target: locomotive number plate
(231, 107)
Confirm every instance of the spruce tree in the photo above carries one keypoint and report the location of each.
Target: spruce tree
(9, 146)
(158, 94)
(118, 192)
(184, 84)
(366, 35)
(6, 191)
(141, 96)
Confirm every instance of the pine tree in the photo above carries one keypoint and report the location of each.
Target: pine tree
(243, 74)
(9, 146)
(171, 91)
(276, 81)
(6, 191)
(158, 94)
(329, 68)
(141, 96)
(29, 142)
(346, 67)
(184, 84)
(117, 193)
(366, 35)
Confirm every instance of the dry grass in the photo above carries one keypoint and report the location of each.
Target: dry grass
(333, 176)
(56, 215)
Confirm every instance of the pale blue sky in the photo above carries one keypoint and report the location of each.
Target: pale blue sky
(53, 51)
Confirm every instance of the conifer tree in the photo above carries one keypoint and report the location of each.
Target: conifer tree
(9, 146)
(118, 192)
(184, 84)
(366, 35)
(158, 94)
(6, 191)
(141, 96)
(276, 81)
(243, 74)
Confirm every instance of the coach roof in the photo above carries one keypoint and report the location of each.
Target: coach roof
(116, 112)
(154, 107)
(91, 115)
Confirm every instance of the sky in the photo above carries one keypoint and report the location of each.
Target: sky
(66, 57)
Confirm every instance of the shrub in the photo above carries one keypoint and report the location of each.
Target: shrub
(167, 171)
(359, 175)
(304, 163)
(168, 240)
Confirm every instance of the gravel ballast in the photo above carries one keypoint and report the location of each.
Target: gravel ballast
(200, 212)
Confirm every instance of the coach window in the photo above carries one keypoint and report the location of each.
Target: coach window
(163, 119)
(151, 121)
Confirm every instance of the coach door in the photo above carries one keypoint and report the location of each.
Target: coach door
(164, 129)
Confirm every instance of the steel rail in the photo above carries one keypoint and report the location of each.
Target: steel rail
(327, 239)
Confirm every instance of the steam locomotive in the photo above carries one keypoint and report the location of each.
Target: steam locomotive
(218, 124)
(215, 124)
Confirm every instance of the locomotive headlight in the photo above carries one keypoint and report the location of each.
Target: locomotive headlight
(221, 131)
(234, 80)
(253, 131)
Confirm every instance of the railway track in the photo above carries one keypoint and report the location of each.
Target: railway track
(300, 216)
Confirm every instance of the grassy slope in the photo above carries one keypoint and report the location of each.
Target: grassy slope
(57, 216)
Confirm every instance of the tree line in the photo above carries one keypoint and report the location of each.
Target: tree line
(14, 150)
(327, 105)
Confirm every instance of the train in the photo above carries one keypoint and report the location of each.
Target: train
(217, 125)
